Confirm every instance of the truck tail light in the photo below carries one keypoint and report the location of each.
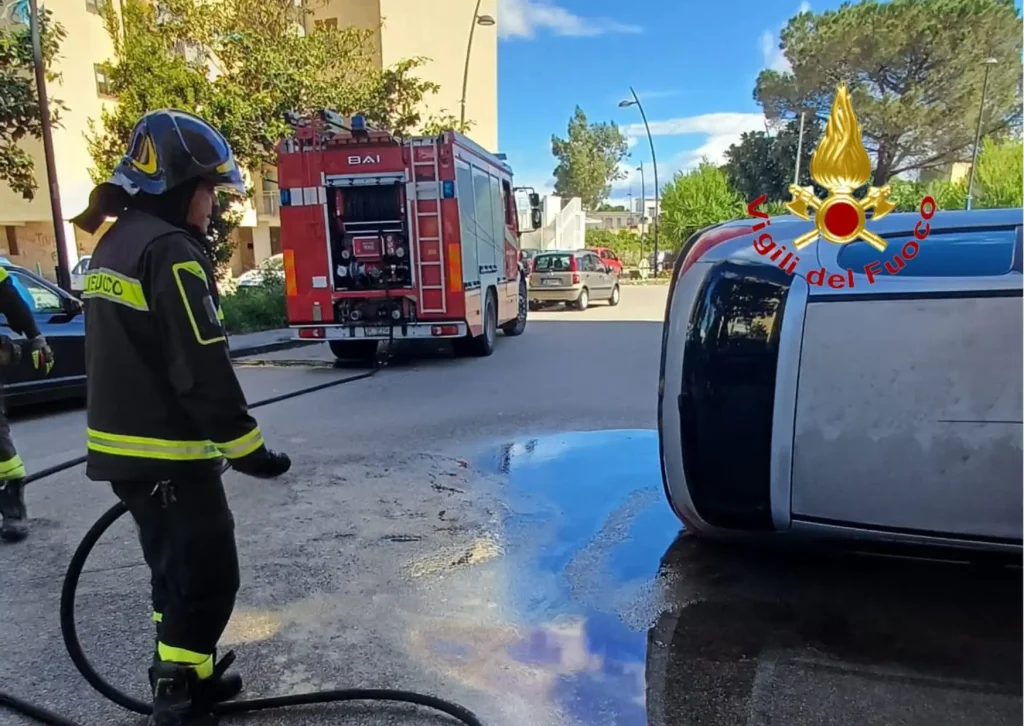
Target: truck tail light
(291, 288)
(709, 240)
(440, 330)
(315, 333)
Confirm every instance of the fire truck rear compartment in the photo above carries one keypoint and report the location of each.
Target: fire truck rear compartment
(369, 238)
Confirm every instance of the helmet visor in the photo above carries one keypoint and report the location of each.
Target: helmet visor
(210, 152)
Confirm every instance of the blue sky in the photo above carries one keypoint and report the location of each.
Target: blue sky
(692, 62)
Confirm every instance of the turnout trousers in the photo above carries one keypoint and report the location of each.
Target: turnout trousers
(187, 534)
(12, 485)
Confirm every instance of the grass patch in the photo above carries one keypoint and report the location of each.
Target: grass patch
(259, 307)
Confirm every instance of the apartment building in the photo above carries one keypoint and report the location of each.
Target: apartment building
(435, 29)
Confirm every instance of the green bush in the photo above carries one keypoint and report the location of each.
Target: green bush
(259, 307)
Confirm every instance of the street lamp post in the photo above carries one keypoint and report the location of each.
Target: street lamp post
(63, 275)
(654, 161)
(478, 19)
(989, 62)
(643, 209)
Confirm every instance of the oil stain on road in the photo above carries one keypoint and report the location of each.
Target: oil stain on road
(585, 604)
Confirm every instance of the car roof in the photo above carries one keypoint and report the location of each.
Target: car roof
(789, 226)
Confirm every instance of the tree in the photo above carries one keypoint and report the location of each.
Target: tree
(914, 69)
(696, 199)
(242, 68)
(588, 159)
(763, 164)
(612, 208)
(1000, 174)
(907, 195)
(19, 107)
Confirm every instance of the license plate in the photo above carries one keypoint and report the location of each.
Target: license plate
(371, 332)
(552, 282)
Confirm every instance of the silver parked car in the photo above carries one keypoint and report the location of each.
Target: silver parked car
(572, 277)
(845, 393)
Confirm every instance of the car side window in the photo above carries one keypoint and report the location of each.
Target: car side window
(611, 256)
(962, 253)
(43, 299)
(587, 263)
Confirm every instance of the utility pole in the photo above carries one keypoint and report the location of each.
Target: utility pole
(63, 274)
(478, 19)
(643, 208)
(799, 150)
(989, 62)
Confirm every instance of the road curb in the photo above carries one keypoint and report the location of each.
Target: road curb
(270, 347)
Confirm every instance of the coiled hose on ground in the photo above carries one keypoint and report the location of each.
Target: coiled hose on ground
(70, 631)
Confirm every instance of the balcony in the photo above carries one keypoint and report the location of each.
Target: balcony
(269, 203)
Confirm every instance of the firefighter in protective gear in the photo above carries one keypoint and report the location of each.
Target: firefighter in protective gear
(165, 409)
(12, 471)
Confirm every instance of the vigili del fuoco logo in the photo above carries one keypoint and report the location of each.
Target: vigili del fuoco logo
(840, 164)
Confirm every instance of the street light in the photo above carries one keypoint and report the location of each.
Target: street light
(643, 211)
(988, 62)
(650, 139)
(478, 19)
(27, 11)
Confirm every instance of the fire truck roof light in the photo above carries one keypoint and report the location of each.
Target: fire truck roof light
(358, 122)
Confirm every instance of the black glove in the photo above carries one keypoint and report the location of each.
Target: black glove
(40, 355)
(263, 463)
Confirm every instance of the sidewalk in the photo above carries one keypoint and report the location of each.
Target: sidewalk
(265, 341)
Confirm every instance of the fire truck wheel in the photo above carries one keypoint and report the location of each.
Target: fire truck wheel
(353, 350)
(483, 344)
(518, 326)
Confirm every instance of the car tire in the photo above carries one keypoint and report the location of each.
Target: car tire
(614, 299)
(349, 351)
(518, 326)
(583, 301)
(482, 345)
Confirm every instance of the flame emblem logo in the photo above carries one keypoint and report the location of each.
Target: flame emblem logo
(840, 164)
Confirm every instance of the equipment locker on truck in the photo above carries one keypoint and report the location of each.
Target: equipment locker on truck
(389, 238)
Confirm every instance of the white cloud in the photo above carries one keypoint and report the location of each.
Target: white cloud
(522, 19)
(720, 131)
(773, 58)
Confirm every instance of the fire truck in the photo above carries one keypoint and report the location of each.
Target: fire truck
(386, 238)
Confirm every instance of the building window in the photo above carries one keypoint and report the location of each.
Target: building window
(93, 6)
(12, 241)
(102, 80)
(326, 24)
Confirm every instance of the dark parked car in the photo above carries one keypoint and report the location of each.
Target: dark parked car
(59, 317)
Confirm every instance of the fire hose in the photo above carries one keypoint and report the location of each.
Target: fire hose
(69, 628)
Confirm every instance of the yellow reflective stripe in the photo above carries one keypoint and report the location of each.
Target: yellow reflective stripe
(242, 446)
(148, 448)
(13, 468)
(158, 617)
(194, 268)
(3, 273)
(115, 287)
(220, 313)
(202, 663)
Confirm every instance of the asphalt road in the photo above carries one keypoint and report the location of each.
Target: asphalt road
(494, 531)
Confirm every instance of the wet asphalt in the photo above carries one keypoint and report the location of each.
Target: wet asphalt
(495, 532)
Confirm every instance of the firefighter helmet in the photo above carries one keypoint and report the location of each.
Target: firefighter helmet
(171, 147)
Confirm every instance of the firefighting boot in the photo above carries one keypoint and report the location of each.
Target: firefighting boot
(174, 687)
(12, 510)
(220, 686)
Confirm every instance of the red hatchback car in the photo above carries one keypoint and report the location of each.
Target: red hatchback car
(607, 257)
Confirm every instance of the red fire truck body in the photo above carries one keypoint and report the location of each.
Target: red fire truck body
(387, 238)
